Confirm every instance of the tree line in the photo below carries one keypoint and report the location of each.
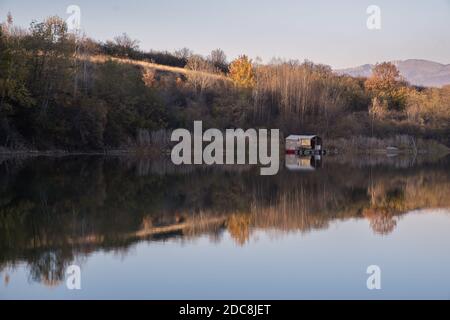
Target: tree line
(52, 96)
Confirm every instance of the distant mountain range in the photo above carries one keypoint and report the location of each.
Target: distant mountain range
(415, 71)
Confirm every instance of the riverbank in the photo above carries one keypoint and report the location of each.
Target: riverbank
(400, 144)
(58, 153)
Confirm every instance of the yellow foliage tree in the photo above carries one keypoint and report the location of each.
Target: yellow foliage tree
(242, 73)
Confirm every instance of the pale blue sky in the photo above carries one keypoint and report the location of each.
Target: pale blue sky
(330, 32)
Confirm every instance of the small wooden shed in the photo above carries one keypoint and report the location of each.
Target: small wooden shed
(303, 142)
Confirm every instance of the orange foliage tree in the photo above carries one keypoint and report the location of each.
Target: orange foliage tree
(386, 85)
(242, 73)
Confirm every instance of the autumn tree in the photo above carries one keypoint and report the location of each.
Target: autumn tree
(242, 73)
(430, 107)
(386, 85)
(384, 77)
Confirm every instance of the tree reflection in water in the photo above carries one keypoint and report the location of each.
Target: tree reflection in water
(57, 210)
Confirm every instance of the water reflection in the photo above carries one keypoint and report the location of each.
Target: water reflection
(54, 211)
(302, 163)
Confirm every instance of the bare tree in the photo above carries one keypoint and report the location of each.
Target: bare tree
(200, 77)
(299, 93)
(183, 53)
(126, 44)
(218, 59)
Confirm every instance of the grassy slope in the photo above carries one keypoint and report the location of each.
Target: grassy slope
(158, 67)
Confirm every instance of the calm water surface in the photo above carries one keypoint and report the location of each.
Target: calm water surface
(144, 229)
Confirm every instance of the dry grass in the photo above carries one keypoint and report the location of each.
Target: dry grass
(158, 67)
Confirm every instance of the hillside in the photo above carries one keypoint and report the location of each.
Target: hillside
(60, 92)
(157, 67)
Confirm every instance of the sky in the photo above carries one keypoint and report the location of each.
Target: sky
(323, 31)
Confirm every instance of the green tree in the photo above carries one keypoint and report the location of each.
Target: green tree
(52, 49)
(131, 104)
(14, 93)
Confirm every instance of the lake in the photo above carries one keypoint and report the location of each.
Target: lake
(146, 229)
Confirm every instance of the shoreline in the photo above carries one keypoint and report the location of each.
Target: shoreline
(54, 153)
(360, 145)
(60, 153)
(331, 152)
